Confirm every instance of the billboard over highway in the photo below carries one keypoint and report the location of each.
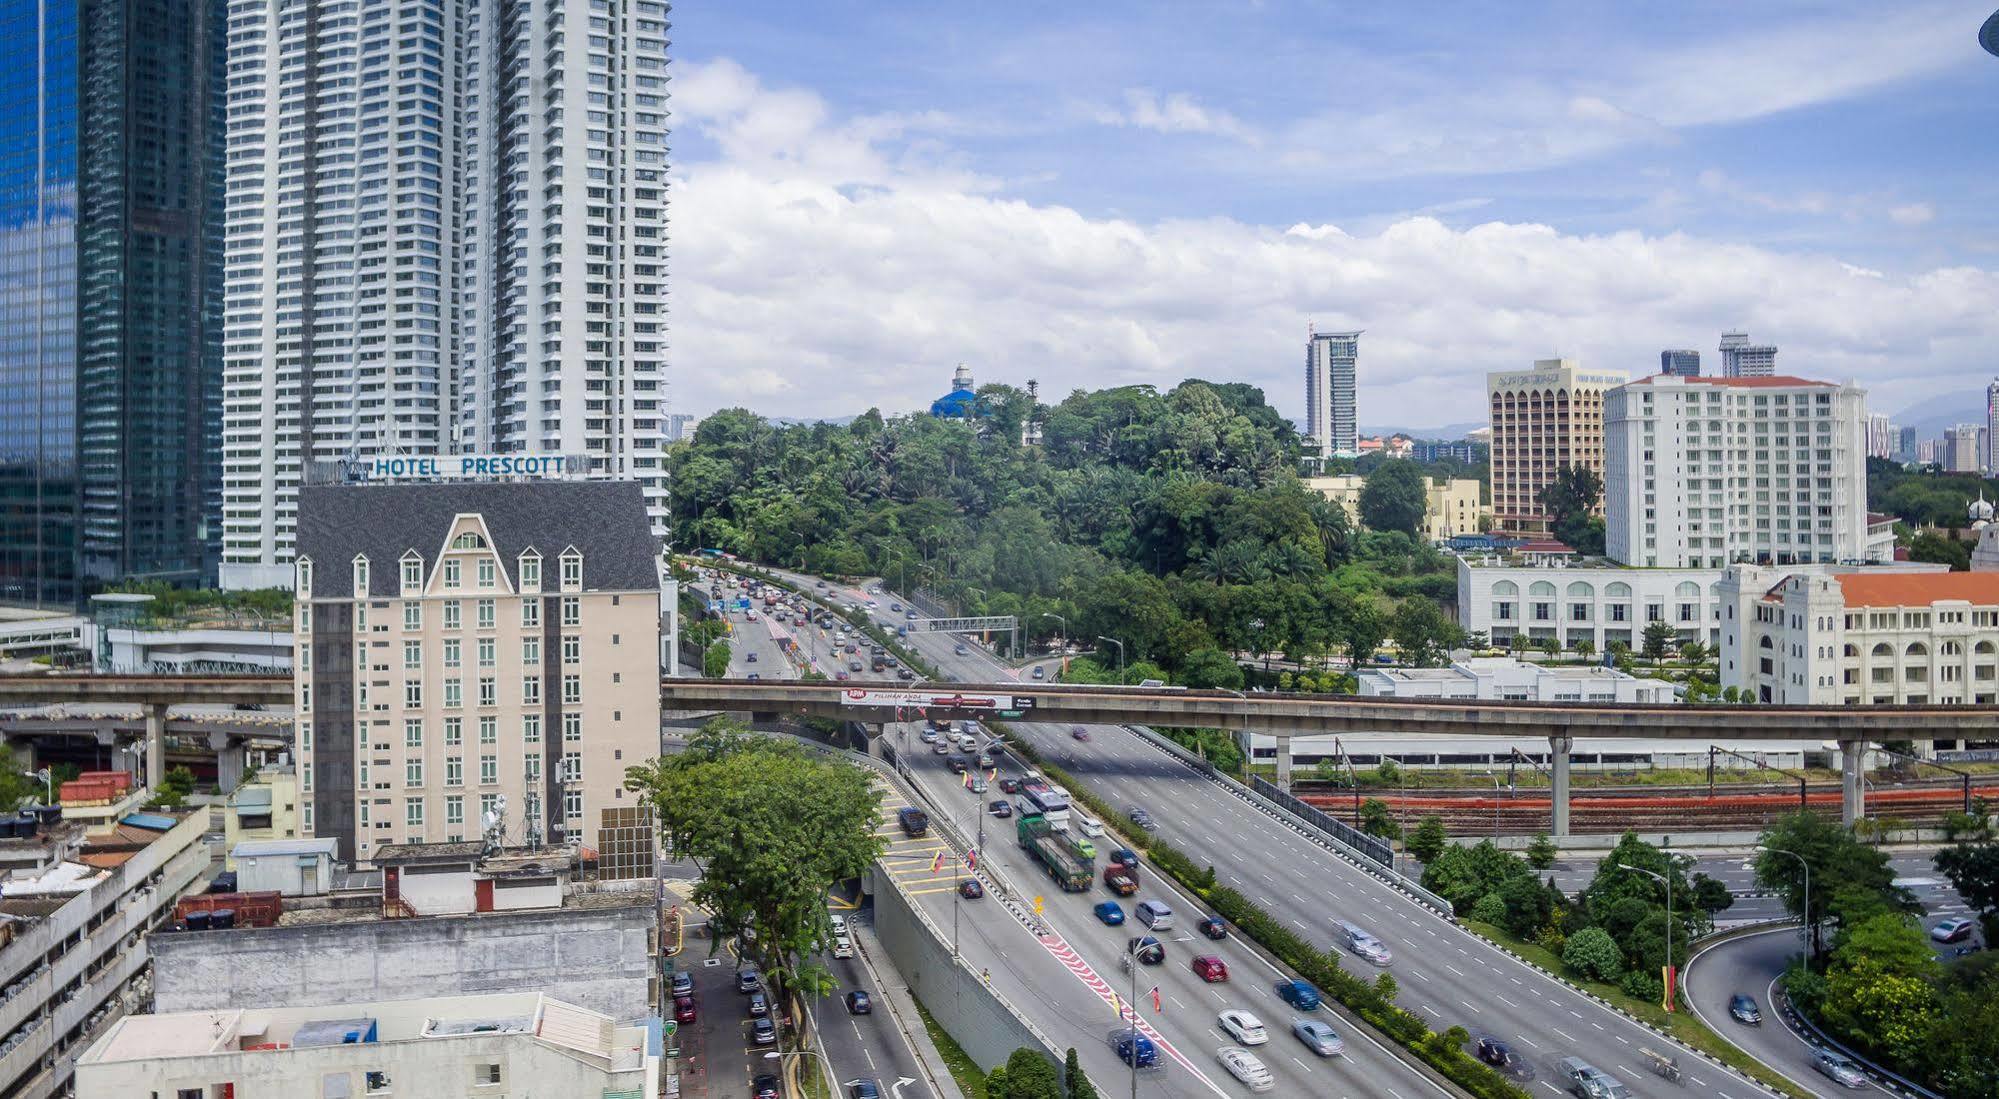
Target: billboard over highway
(934, 700)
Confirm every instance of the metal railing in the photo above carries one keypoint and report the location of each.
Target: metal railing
(1367, 846)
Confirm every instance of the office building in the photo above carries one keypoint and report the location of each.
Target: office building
(1705, 472)
(1962, 451)
(1861, 638)
(110, 191)
(430, 260)
(1882, 436)
(1543, 420)
(1684, 362)
(1905, 444)
(1992, 427)
(82, 899)
(1452, 506)
(1742, 359)
(1332, 423)
(1461, 451)
(680, 427)
(444, 1047)
(461, 644)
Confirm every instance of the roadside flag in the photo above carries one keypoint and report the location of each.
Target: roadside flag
(968, 780)
(992, 775)
(1117, 1005)
(937, 863)
(972, 859)
(1155, 999)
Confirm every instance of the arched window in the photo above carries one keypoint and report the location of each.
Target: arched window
(1580, 590)
(1916, 648)
(304, 582)
(1505, 589)
(1764, 642)
(470, 540)
(1688, 590)
(1618, 589)
(1542, 590)
(1882, 649)
(1983, 648)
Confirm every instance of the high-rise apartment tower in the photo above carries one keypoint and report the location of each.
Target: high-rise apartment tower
(1331, 411)
(1543, 420)
(1742, 359)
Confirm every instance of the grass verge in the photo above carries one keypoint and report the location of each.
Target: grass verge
(1682, 1025)
(971, 1080)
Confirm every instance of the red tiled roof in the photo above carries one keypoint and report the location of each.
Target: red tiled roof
(1918, 589)
(1545, 547)
(1738, 383)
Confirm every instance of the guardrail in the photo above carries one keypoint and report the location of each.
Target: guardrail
(1303, 826)
(1373, 847)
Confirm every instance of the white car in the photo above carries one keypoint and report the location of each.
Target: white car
(839, 924)
(1092, 826)
(1244, 1066)
(843, 946)
(1243, 1027)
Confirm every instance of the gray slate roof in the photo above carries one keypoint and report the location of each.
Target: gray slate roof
(605, 520)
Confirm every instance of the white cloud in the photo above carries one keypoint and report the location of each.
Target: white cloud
(1177, 113)
(822, 266)
(1915, 213)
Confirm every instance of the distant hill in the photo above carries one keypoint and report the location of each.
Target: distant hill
(792, 421)
(1937, 415)
(1446, 432)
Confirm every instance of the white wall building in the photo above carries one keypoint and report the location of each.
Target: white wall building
(1741, 359)
(1705, 472)
(445, 230)
(1861, 638)
(447, 1047)
(1332, 423)
(1585, 599)
(1500, 678)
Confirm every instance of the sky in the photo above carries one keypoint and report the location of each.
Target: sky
(868, 192)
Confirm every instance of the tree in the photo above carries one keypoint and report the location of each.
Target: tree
(174, 788)
(1423, 631)
(1693, 652)
(1880, 987)
(1711, 896)
(996, 1083)
(1570, 498)
(1541, 853)
(772, 827)
(1209, 669)
(1850, 881)
(1395, 498)
(1973, 870)
(1364, 631)
(715, 661)
(1031, 1075)
(15, 787)
(1429, 839)
(1659, 639)
(1376, 819)
(1592, 953)
(1072, 1075)
(1550, 646)
(1528, 906)
(1938, 550)
(1584, 647)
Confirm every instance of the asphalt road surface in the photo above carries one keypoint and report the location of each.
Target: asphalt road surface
(1751, 964)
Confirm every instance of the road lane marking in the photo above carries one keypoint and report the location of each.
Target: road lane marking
(1467, 1004)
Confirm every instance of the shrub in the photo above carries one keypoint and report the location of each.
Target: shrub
(1490, 909)
(1643, 985)
(1593, 953)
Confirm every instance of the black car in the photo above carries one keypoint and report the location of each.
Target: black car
(1500, 1056)
(860, 1003)
(766, 1087)
(1147, 949)
(864, 1089)
(1010, 785)
(957, 764)
(1137, 815)
(1001, 808)
(1214, 928)
(970, 889)
(1744, 1010)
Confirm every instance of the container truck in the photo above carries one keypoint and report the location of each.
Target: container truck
(1069, 870)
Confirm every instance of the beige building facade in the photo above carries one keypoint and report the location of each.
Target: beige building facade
(266, 808)
(475, 653)
(1452, 506)
(1543, 420)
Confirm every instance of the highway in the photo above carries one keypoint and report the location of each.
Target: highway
(1751, 964)
(1913, 871)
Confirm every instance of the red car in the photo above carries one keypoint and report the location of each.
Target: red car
(683, 1009)
(1210, 968)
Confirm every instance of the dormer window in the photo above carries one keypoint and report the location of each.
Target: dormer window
(304, 581)
(530, 571)
(470, 540)
(360, 577)
(412, 573)
(572, 570)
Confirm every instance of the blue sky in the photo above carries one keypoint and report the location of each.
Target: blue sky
(1107, 193)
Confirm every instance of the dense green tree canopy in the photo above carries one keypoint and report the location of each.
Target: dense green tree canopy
(1394, 498)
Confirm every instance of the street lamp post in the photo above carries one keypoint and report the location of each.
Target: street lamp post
(1805, 909)
(1131, 1005)
(1494, 776)
(1256, 629)
(1064, 640)
(1667, 881)
(778, 1055)
(1120, 655)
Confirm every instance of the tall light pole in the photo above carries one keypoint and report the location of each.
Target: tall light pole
(1120, 654)
(1064, 639)
(777, 1055)
(1667, 881)
(1805, 909)
(1131, 1005)
(1494, 776)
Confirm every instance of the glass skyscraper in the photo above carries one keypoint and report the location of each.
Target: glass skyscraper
(110, 289)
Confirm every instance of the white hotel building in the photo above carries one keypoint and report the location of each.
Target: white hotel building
(445, 232)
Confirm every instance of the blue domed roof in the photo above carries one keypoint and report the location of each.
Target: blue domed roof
(960, 404)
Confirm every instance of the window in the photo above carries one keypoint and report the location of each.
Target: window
(454, 809)
(304, 582)
(413, 693)
(531, 690)
(485, 1076)
(485, 614)
(412, 575)
(572, 805)
(489, 730)
(377, 1081)
(531, 728)
(412, 656)
(454, 771)
(412, 732)
(486, 576)
(468, 540)
(572, 728)
(360, 578)
(412, 615)
(530, 651)
(530, 572)
(451, 574)
(413, 812)
(452, 612)
(453, 653)
(489, 770)
(572, 649)
(572, 690)
(454, 731)
(487, 657)
(572, 571)
(489, 692)
(531, 613)
(572, 611)
(532, 772)
(454, 693)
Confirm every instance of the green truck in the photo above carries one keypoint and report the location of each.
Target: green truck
(1049, 848)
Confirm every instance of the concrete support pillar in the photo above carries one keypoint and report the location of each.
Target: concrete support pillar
(1558, 768)
(156, 744)
(228, 761)
(1852, 791)
(1284, 762)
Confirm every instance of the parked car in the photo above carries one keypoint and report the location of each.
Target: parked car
(1319, 1037)
(1840, 1070)
(766, 1086)
(759, 1005)
(1110, 912)
(1213, 928)
(683, 984)
(1210, 968)
(1299, 994)
(860, 1003)
(748, 979)
(763, 1032)
(1246, 1067)
(1744, 1010)
(1953, 930)
(1001, 808)
(684, 1009)
(1243, 1027)
(970, 889)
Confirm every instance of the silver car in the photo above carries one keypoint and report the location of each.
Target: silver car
(1369, 948)
(1246, 1067)
(1586, 1081)
(1840, 1070)
(1318, 1037)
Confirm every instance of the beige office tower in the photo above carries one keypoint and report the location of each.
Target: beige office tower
(476, 653)
(1542, 420)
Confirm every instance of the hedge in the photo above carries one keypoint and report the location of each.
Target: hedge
(1321, 968)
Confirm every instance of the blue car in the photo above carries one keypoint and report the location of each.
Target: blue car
(1139, 1054)
(1299, 994)
(1111, 912)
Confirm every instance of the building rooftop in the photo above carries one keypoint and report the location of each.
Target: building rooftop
(323, 845)
(461, 851)
(1903, 589)
(605, 520)
(1775, 381)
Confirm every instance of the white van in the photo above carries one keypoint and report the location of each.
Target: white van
(1155, 915)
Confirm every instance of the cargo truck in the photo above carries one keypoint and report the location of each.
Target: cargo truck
(1068, 869)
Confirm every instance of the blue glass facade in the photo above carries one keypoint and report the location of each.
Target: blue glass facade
(39, 77)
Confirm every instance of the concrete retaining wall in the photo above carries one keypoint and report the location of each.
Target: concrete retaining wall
(954, 995)
(593, 957)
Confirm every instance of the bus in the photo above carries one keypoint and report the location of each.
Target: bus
(1038, 799)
